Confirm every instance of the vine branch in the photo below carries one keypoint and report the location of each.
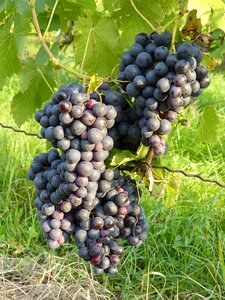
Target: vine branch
(187, 174)
(21, 131)
(142, 16)
(55, 62)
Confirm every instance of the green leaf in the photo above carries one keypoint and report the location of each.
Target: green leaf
(10, 62)
(94, 83)
(131, 23)
(43, 19)
(36, 87)
(41, 5)
(142, 151)
(209, 125)
(42, 57)
(112, 5)
(21, 26)
(120, 157)
(70, 10)
(209, 61)
(3, 5)
(96, 45)
(151, 10)
(129, 32)
(84, 4)
(22, 6)
(171, 191)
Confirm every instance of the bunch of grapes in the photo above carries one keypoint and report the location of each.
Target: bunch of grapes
(56, 218)
(161, 83)
(75, 192)
(125, 132)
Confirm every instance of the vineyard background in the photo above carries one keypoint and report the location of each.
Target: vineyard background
(183, 257)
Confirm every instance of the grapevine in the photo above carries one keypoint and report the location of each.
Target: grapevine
(76, 193)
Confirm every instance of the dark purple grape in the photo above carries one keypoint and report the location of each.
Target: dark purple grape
(136, 49)
(185, 51)
(182, 66)
(76, 111)
(73, 156)
(161, 69)
(163, 39)
(143, 60)
(95, 135)
(161, 53)
(78, 127)
(153, 124)
(205, 82)
(165, 126)
(65, 106)
(142, 38)
(171, 116)
(171, 60)
(110, 208)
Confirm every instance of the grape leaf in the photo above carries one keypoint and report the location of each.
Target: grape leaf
(94, 83)
(36, 87)
(128, 32)
(42, 57)
(10, 62)
(22, 6)
(142, 151)
(151, 10)
(209, 125)
(43, 19)
(209, 61)
(193, 26)
(21, 26)
(121, 157)
(84, 4)
(3, 5)
(42, 4)
(112, 5)
(70, 10)
(206, 8)
(171, 191)
(96, 45)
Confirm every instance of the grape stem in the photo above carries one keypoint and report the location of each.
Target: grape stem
(149, 156)
(143, 17)
(174, 20)
(148, 161)
(51, 17)
(55, 62)
(173, 49)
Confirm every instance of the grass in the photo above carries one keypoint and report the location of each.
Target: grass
(183, 257)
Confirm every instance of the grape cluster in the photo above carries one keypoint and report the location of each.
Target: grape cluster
(56, 219)
(111, 218)
(75, 192)
(113, 212)
(161, 83)
(72, 120)
(125, 132)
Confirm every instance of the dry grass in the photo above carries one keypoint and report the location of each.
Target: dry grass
(38, 278)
